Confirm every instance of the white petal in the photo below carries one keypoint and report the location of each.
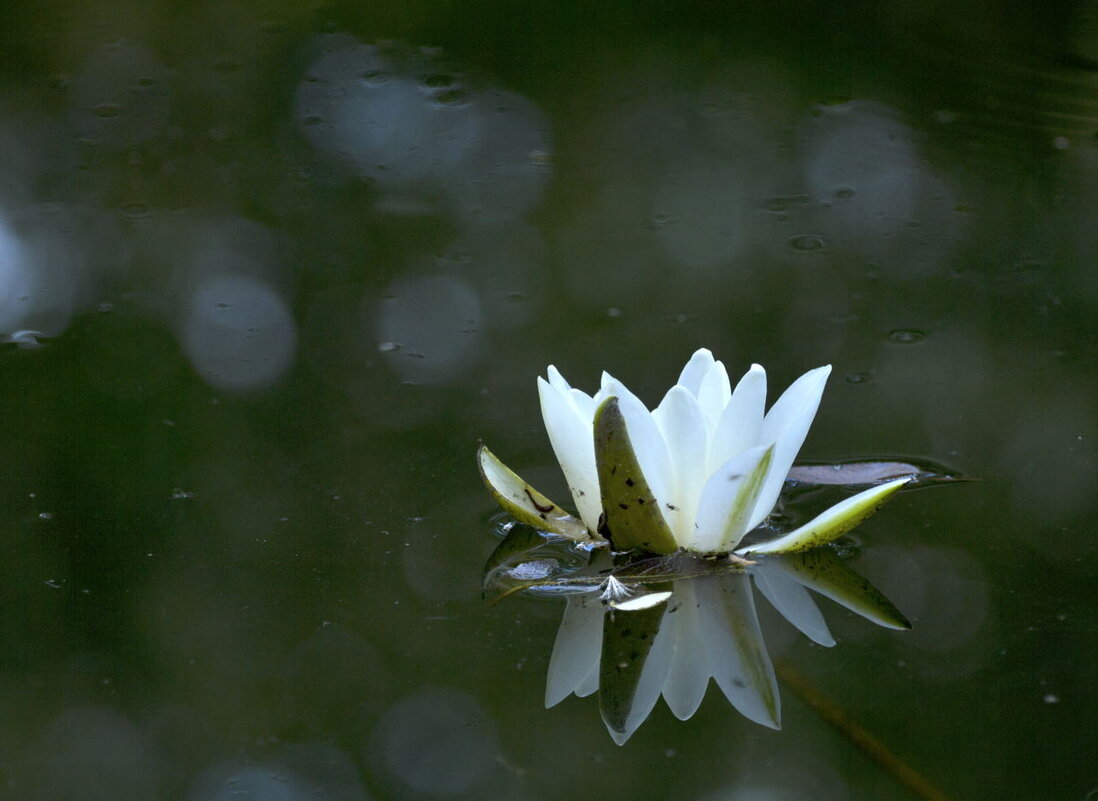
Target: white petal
(583, 403)
(741, 420)
(573, 442)
(577, 649)
(689, 675)
(556, 379)
(679, 418)
(647, 441)
(786, 425)
(833, 522)
(793, 602)
(728, 498)
(737, 654)
(695, 370)
(714, 394)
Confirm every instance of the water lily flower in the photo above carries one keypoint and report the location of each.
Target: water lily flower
(698, 472)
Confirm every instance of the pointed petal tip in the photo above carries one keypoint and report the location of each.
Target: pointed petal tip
(619, 737)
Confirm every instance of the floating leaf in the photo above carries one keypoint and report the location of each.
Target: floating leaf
(632, 512)
(525, 503)
(825, 572)
(520, 542)
(851, 474)
(831, 524)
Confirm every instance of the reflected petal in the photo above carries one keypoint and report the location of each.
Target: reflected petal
(792, 601)
(734, 644)
(576, 650)
(689, 674)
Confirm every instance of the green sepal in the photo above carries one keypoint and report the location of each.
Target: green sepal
(830, 524)
(524, 503)
(632, 512)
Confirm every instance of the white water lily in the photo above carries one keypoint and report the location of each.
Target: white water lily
(699, 471)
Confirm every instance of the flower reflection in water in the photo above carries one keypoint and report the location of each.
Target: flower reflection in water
(667, 625)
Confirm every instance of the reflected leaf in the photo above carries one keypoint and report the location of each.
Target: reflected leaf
(825, 572)
(632, 512)
(523, 502)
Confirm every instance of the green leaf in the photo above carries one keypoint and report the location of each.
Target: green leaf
(825, 572)
(632, 512)
(627, 639)
(831, 524)
(850, 474)
(524, 503)
(517, 547)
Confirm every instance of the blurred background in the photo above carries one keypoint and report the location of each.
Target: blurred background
(268, 271)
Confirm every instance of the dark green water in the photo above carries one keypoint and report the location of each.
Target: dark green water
(287, 264)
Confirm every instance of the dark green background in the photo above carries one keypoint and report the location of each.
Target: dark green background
(207, 589)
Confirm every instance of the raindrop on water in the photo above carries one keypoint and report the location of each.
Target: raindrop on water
(860, 377)
(906, 336)
(451, 97)
(437, 81)
(807, 242)
(136, 210)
